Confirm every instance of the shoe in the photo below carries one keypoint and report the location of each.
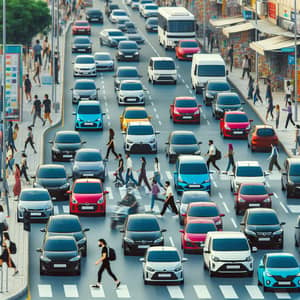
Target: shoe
(32, 125)
(15, 273)
(44, 122)
(118, 284)
(97, 286)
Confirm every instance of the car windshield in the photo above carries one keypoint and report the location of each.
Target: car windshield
(203, 211)
(85, 85)
(218, 86)
(253, 190)
(136, 114)
(262, 219)
(193, 168)
(236, 118)
(122, 21)
(81, 24)
(140, 130)
(36, 195)
(181, 26)
(132, 86)
(119, 13)
(103, 57)
(82, 41)
(229, 100)
(60, 245)
(194, 198)
(230, 244)
(94, 12)
(87, 188)
(183, 139)
(88, 156)
(265, 132)
(142, 225)
(211, 70)
(85, 60)
(163, 256)
(189, 44)
(113, 6)
(186, 103)
(127, 73)
(67, 138)
(164, 65)
(115, 33)
(130, 25)
(282, 262)
(89, 109)
(51, 173)
(295, 170)
(64, 225)
(153, 21)
(200, 227)
(151, 6)
(132, 45)
(249, 171)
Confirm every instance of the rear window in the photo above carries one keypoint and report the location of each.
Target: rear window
(228, 100)
(132, 45)
(89, 109)
(103, 57)
(186, 103)
(64, 225)
(253, 190)
(140, 130)
(265, 132)
(249, 171)
(189, 44)
(85, 60)
(34, 196)
(211, 70)
(200, 227)
(60, 245)
(85, 86)
(163, 256)
(234, 244)
(88, 156)
(282, 262)
(153, 21)
(116, 33)
(127, 73)
(136, 114)
(203, 211)
(236, 118)
(142, 225)
(151, 6)
(183, 139)
(164, 65)
(193, 168)
(119, 13)
(51, 173)
(87, 188)
(67, 138)
(218, 86)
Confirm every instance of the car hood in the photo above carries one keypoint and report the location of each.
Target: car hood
(85, 92)
(184, 149)
(117, 38)
(164, 266)
(104, 62)
(189, 50)
(294, 179)
(88, 66)
(195, 237)
(35, 204)
(128, 51)
(143, 236)
(51, 182)
(194, 178)
(254, 198)
(140, 138)
(183, 110)
(89, 117)
(71, 147)
(77, 235)
(232, 255)
(165, 72)
(260, 179)
(91, 165)
(60, 256)
(87, 198)
(241, 125)
(131, 93)
(228, 107)
(264, 228)
(283, 272)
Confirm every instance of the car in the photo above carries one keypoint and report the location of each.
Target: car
(104, 61)
(94, 15)
(181, 142)
(225, 102)
(64, 226)
(89, 116)
(149, 10)
(65, 144)
(125, 73)
(278, 271)
(248, 172)
(151, 24)
(140, 232)
(81, 27)
(212, 88)
(135, 37)
(88, 163)
(290, 176)
(130, 92)
(194, 234)
(162, 69)
(261, 137)
(88, 196)
(262, 227)
(54, 178)
(84, 65)
(82, 44)
(131, 114)
(191, 173)
(140, 137)
(128, 50)
(134, 4)
(110, 7)
(162, 265)
(121, 24)
(37, 202)
(250, 195)
(235, 124)
(129, 27)
(203, 210)
(84, 89)
(190, 197)
(185, 110)
(118, 14)
(111, 37)
(142, 2)
(297, 233)
(185, 49)
(59, 255)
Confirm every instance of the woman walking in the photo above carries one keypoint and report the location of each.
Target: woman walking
(277, 115)
(24, 168)
(6, 255)
(245, 66)
(156, 174)
(257, 93)
(143, 175)
(45, 51)
(289, 115)
(37, 73)
(230, 154)
(17, 186)
(250, 88)
(27, 88)
(270, 108)
(29, 140)
(111, 144)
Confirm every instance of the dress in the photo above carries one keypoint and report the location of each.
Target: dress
(17, 186)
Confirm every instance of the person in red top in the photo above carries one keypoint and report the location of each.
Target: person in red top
(17, 186)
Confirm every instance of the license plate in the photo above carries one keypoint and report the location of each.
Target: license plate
(88, 124)
(254, 205)
(264, 239)
(143, 246)
(87, 207)
(194, 185)
(81, 29)
(186, 117)
(88, 174)
(35, 214)
(131, 99)
(94, 19)
(284, 283)
(81, 50)
(164, 275)
(128, 56)
(238, 132)
(59, 265)
(67, 155)
(233, 267)
(189, 55)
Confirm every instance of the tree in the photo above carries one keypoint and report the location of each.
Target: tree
(24, 20)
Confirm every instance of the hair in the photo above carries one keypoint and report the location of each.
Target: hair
(143, 158)
(16, 126)
(6, 235)
(277, 106)
(1, 208)
(37, 41)
(120, 154)
(289, 103)
(167, 182)
(127, 154)
(29, 128)
(27, 75)
(111, 132)
(46, 96)
(24, 155)
(103, 241)
(46, 38)
(17, 166)
(155, 159)
(35, 96)
(230, 147)
(211, 141)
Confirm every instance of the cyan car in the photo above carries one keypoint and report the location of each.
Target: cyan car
(279, 271)
(89, 116)
(191, 174)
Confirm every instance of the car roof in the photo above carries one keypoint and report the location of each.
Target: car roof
(35, 190)
(61, 238)
(88, 103)
(134, 108)
(64, 217)
(197, 204)
(293, 160)
(182, 132)
(139, 123)
(200, 221)
(262, 126)
(112, 30)
(261, 210)
(250, 163)
(128, 42)
(195, 193)
(126, 68)
(226, 234)
(185, 98)
(102, 53)
(191, 158)
(51, 166)
(162, 248)
(159, 58)
(84, 56)
(131, 81)
(278, 254)
(61, 132)
(87, 180)
(217, 81)
(142, 216)
(85, 80)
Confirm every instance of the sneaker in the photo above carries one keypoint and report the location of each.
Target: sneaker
(118, 284)
(15, 273)
(96, 286)
(44, 122)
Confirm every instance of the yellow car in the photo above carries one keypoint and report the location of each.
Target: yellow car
(131, 114)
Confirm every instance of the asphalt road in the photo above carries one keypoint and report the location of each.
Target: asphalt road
(198, 284)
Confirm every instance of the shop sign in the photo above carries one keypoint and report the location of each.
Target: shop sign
(272, 10)
(291, 59)
(248, 14)
(284, 12)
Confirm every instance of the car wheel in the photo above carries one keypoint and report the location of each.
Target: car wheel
(125, 252)
(288, 193)
(84, 252)
(204, 266)
(101, 42)
(181, 282)
(181, 220)
(53, 157)
(237, 211)
(211, 273)
(145, 281)
(175, 82)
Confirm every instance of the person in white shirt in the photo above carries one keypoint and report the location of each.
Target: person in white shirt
(156, 174)
(169, 199)
(129, 174)
(289, 89)
(273, 158)
(211, 153)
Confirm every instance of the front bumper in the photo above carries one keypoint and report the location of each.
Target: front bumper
(96, 125)
(87, 208)
(131, 100)
(282, 282)
(165, 276)
(127, 57)
(165, 78)
(141, 147)
(192, 247)
(186, 118)
(245, 205)
(83, 73)
(81, 50)
(182, 186)
(231, 267)
(236, 133)
(36, 215)
(95, 19)
(81, 31)
(105, 67)
(59, 267)
(89, 174)
(265, 240)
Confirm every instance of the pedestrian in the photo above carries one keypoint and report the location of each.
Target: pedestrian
(257, 93)
(9, 160)
(37, 73)
(154, 194)
(245, 66)
(273, 158)
(3, 223)
(270, 108)
(211, 153)
(289, 115)
(268, 90)
(297, 139)
(27, 88)
(29, 140)
(212, 42)
(45, 50)
(277, 115)
(169, 201)
(120, 169)
(47, 109)
(15, 133)
(56, 67)
(24, 168)
(105, 265)
(37, 52)
(17, 185)
(156, 174)
(250, 63)
(6, 253)
(289, 89)
(10, 136)
(111, 144)
(143, 174)
(230, 57)
(37, 110)
(129, 172)
(250, 88)
(230, 155)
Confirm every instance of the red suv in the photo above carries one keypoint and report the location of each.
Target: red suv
(186, 48)
(261, 137)
(81, 27)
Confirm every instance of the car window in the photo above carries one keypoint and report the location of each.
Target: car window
(82, 41)
(193, 168)
(294, 170)
(103, 57)
(200, 227)
(88, 156)
(183, 139)
(262, 219)
(152, 21)
(85, 60)
(60, 245)
(203, 211)
(115, 33)
(230, 244)
(186, 103)
(89, 109)
(151, 6)
(140, 130)
(85, 85)
(189, 44)
(64, 225)
(67, 138)
(265, 132)
(253, 190)
(119, 13)
(132, 86)
(34, 196)
(128, 46)
(87, 188)
(249, 171)
(163, 256)
(236, 118)
(282, 262)
(142, 225)
(81, 24)
(127, 73)
(136, 114)
(164, 65)
(51, 173)
(211, 70)
(218, 86)
(229, 100)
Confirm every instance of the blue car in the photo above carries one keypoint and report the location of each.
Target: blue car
(279, 271)
(191, 174)
(89, 116)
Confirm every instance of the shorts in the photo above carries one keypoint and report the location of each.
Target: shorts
(47, 115)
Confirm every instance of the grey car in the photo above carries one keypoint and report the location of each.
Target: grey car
(104, 61)
(111, 37)
(37, 202)
(84, 89)
(125, 73)
(212, 88)
(82, 44)
(136, 37)
(151, 24)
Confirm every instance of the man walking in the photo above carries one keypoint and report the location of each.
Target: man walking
(120, 168)
(289, 115)
(211, 153)
(230, 57)
(36, 110)
(105, 265)
(169, 199)
(129, 174)
(29, 140)
(47, 108)
(27, 88)
(273, 158)
(56, 67)
(143, 175)
(37, 52)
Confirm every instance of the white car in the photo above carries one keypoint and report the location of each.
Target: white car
(140, 137)
(135, 4)
(162, 69)
(104, 61)
(131, 92)
(247, 172)
(142, 2)
(84, 65)
(149, 10)
(118, 14)
(162, 264)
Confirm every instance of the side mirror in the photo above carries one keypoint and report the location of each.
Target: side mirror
(254, 249)
(227, 72)
(83, 142)
(231, 174)
(69, 192)
(86, 229)
(117, 89)
(282, 223)
(81, 249)
(33, 177)
(39, 250)
(42, 230)
(142, 259)
(260, 265)
(242, 224)
(157, 132)
(98, 89)
(206, 251)
(222, 215)
(199, 143)
(181, 231)
(175, 173)
(184, 259)
(105, 192)
(71, 89)
(163, 230)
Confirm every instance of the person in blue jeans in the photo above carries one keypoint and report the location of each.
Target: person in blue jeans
(129, 174)
(156, 174)
(154, 194)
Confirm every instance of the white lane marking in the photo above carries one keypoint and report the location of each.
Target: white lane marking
(275, 195)
(45, 290)
(283, 207)
(169, 175)
(122, 291)
(56, 210)
(160, 123)
(66, 209)
(175, 292)
(201, 109)
(187, 86)
(220, 195)
(157, 116)
(110, 194)
(71, 291)
(202, 292)
(233, 222)
(283, 296)
(267, 184)
(171, 241)
(226, 207)
(254, 292)
(294, 208)
(155, 208)
(154, 108)
(208, 123)
(215, 184)
(228, 292)
(97, 292)
(152, 103)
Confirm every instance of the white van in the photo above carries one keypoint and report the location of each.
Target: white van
(206, 67)
(162, 69)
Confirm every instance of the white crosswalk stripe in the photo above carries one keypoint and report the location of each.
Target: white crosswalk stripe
(71, 291)
(175, 292)
(228, 292)
(97, 292)
(294, 208)
(202, 292)
(254, 292)
(45, 290)
(123, 292)
(155, 208)
(283, 296)
(66, 209)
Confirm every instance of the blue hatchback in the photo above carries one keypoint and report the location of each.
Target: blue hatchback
(89, 116)
(279, 271)
(191, 174)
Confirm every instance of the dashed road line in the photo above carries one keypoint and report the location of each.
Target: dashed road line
(97, 292)
(171, 241)
(283, 296)
(225, 206)
(283, 207)
(71, 291)
(187, 86)
(233, 222)
(159, 122)
(175, 292)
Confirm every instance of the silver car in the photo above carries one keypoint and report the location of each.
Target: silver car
(37, 202)
(162, 264)
(104, 61)
(84, 89)
(131, 92)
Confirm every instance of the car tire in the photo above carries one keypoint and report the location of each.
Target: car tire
(204, 266)
(288, 193)
(181, 220)
(125, 252)
(175, 82)
(78, 272)
(237, 211)
(231, 188)
(53, 157)
(101, 42)
(282, 186)
(266, 289)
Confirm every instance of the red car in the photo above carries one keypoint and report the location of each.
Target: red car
(185, 110)
(250, 195)
(87, 197)
(194, 234)
(235, 124)
(204, 210)
(81, 27)
(186, 48)
(261, 137)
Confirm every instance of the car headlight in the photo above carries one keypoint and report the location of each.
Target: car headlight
(50, 207)
(179, 268)
(209, 95)
(218, 222)
(65, 186)
(267, 200)
(45, 259)
(198, 152)
(227, 127)
(278, 232)
(150, 269)
(159, 240)
(241, 200)
(215, 258)
(120, 53)
(141, 95)
(76, 258)
(22, 208)
(74, 201)
(248, 258)
(77, 69)
(80, 120)
(99, 119)
(136, 53)
(121, 95)
(100, 200)
(250, 232)
(197, 112)
(248, 127)
(268, 274)
(128, 240)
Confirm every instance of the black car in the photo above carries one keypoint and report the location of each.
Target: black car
(121, 24)
(59, 254)
(225, 102)
(110, 7)
(128, 51)
(88, 163)
(94, 15)
(290, 177)
(140, 232)
(135, 37)
(125, 73)
(151, 24)
(130, 27)
(67, 225)
(262, 227)
(297, 233)
(82, 44)
(212, 88)
(181, 142)
(53, 178)
(65, 145)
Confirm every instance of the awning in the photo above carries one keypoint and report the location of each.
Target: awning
(226, 21)
(237, 28)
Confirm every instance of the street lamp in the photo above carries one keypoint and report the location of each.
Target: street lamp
(296, 64)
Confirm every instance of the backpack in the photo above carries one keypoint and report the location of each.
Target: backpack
(12, 248)
(218, 154)
(111, 254)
